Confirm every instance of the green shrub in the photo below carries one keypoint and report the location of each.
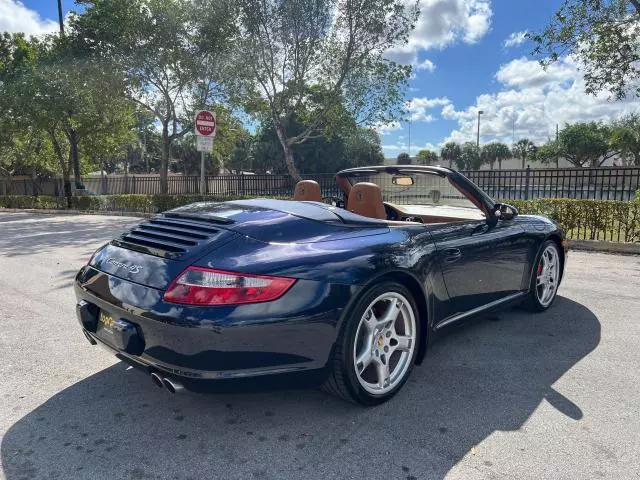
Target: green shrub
(588, 219)
(113, 203)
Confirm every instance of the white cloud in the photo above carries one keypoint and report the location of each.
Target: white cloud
(426, 64)
(396, 147)
(523, 73)
(443, 22)
(515, 39)
(15, 17)
(418, 107)
(393, 149)
(533, 101)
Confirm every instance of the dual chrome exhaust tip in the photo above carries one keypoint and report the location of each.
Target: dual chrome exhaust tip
(170, 384)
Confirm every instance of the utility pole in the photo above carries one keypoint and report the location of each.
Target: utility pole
(409, 137)
(557, 138)
(480, 112)
(60, 18)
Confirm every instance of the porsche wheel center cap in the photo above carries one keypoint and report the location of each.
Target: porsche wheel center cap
(380, 341)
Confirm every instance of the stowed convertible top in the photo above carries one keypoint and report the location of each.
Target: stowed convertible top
(252, 210)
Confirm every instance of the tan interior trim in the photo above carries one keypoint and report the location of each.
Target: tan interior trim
(402, 211)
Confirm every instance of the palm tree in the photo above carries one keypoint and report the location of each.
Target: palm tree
(470, 157)
(523, 149)
(502, 153)
(495, 151)
(451, 152)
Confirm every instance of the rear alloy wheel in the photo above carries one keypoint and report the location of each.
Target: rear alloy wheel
(545, 277)
(378, 346)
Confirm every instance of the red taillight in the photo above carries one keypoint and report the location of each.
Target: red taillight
(204, 286)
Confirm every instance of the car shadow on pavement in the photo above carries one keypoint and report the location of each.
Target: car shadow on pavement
(26, 234)
(479, 378)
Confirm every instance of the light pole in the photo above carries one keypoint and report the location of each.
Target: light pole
(60, 20)
(409, 137)
(480, 112)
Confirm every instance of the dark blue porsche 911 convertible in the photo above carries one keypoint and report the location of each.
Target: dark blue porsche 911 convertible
(344, 292)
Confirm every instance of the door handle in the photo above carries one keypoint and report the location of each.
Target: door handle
(452, 254)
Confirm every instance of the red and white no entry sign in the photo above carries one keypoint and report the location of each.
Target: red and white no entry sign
(205, 123)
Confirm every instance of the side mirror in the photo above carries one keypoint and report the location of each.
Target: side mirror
(504, 211)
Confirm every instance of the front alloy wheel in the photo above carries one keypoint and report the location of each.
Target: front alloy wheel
(545, 277)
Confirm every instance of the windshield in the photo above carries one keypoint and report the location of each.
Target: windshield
(415, 189)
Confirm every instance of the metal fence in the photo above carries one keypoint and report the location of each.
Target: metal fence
(221, 185)
(608, 183)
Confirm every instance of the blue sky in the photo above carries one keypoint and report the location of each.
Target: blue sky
(462, 63)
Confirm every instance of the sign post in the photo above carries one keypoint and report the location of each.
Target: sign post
(205, 123)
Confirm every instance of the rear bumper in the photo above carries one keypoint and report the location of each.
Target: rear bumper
(294, 334)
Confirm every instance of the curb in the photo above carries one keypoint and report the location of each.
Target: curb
(583, 245)
(605, 247)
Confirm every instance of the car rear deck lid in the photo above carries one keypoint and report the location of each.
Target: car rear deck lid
(170, 236)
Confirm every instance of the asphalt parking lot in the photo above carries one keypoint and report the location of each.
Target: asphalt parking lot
(554, 396)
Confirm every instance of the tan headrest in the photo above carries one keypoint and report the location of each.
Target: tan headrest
(308, 191)
(366, 199)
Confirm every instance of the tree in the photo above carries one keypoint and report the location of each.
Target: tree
(452, 153)
(320, 56)
(403, 159)
(604, 35)
(470, 157)
(427, 157)
(523, 149)
(72, 102)
(547, 153)
(352, 146)
(625, 137)
(492, 152)
(362, 148)
(158, 44)
(584, 144)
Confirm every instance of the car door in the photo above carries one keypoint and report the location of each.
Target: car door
(480, 263)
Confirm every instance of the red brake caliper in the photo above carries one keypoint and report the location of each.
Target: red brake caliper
(539, 268)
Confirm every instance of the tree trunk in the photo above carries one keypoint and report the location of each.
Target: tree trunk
(75, 158)
(164, 160)
(524, 159)
(288, 153)
(451, 163)
(499, 164)
(8, 183)
(64, 167)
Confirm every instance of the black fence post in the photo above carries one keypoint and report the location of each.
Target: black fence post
(527, 179)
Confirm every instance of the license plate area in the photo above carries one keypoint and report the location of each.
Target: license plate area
(119, 333)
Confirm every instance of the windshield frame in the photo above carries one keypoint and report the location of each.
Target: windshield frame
(347, 178)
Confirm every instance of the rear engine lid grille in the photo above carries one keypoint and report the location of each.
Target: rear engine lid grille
(169, 237)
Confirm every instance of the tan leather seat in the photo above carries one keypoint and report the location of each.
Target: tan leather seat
(366, 199)
(307, 191)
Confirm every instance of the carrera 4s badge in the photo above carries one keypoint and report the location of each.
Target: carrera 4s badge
(131, 268)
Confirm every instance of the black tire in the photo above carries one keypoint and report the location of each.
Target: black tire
(343, 380)
(532, 302)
